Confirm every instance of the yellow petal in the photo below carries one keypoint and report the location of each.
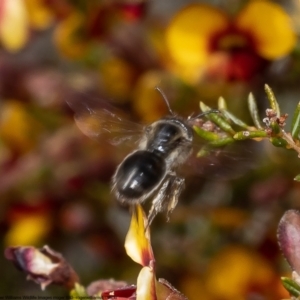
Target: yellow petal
(17, 128)
(117, 77)
(147, 102)
(270, 26)
(13, 24)
(188, 35)
(191, 284)
(40, 16)
(137, 242)
(68, 36)
(145, 289)
(188, 74)
(28, 230)
(236, 269)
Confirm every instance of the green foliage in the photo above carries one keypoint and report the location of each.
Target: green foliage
(226, 128)
(291, 286)
(229, 128)
(78, 292)
(296, 123)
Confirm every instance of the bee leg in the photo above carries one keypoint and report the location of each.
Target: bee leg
(167, 197)
(158, 202)
(175, 190)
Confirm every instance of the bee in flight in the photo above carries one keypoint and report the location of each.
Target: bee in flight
(149, 170)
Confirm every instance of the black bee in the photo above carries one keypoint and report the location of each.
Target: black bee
(149, 170)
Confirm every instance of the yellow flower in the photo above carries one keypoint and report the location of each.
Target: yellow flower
(147, 102)
(235, 271)
(203, 40)
(18, 129)
(39, 14)
(81, 30)
(137, 243)
(117, 77)
(28, 230)
(69, 37)
(138, 247)
(17, 16)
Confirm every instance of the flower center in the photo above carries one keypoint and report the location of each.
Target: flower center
(231, 40)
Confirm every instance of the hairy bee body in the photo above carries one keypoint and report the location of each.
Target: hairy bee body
(164, 146)
(150, 169)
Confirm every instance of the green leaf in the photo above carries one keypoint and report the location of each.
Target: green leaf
(78, 292)
(297, 178)
(254, 111)
(273, 102)
(222, 103)
(245, 135)
(217, 119)
(207, 135)
(296, 123)
(234, 119)
(275, 128)
(222, 142)
(291, 286)
(279, 142)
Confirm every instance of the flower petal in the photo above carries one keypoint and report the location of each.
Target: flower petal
(146, 285)
(17, 127)
(117, 76)
(28, 230)
(147, 102)
(69, 37)
(234, 270)
(39, 14)
(13, 24)
(188, 34)
(137, 242)
(124, 293)
(44, 266)
(289, 238)
(270, 27)
(97, 287)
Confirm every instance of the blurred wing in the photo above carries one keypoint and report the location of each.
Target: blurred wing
(226, 163)
(101, 121)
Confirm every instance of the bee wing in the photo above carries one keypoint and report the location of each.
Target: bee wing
(225, 163)
(103, 122)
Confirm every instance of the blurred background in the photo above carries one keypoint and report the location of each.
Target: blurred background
(220, 242)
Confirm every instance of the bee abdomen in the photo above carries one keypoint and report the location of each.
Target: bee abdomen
(138, 175)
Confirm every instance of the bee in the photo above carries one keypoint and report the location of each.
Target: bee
(151, 169)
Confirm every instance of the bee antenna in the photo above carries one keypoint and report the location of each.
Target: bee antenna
(165, 99)
(211, 111)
